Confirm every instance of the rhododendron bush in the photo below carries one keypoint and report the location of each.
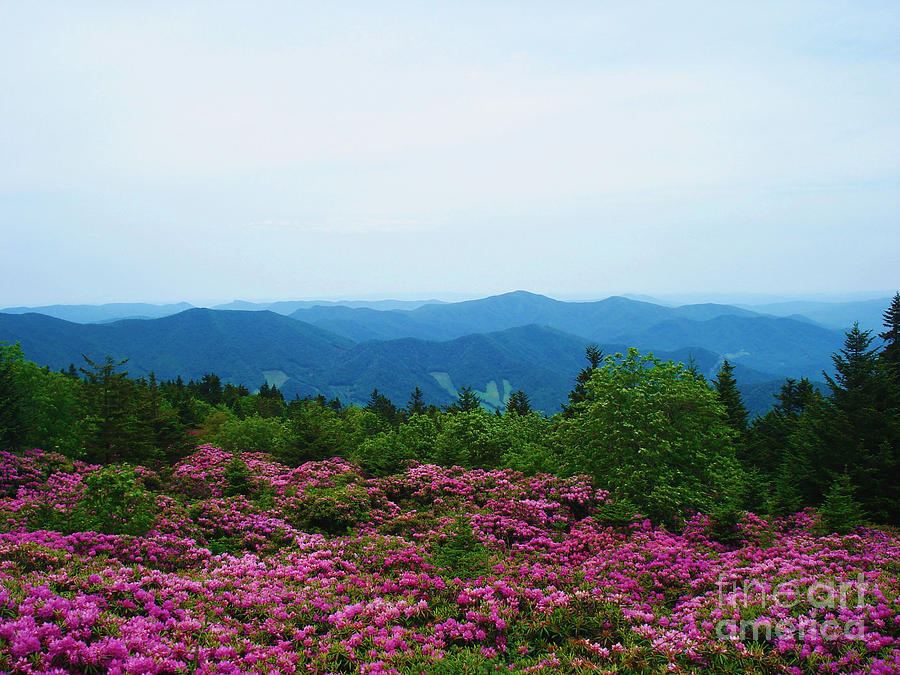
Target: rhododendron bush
(234, 563)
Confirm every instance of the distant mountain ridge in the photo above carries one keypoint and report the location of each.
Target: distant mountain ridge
(496, 345)
(839, 315)
(595, 320)
(238, 346)
(779, 346)
(252, 347)
(116, 311)
(286, 307)
(100, 313)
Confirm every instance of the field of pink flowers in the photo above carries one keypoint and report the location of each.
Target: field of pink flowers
(319, 569)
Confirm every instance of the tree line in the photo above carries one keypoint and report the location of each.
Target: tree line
(659, 436)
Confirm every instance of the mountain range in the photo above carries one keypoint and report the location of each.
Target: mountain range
(496, 345)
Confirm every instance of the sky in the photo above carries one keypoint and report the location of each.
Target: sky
(204, 152)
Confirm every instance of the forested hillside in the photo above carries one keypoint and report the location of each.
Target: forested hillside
(495, 345)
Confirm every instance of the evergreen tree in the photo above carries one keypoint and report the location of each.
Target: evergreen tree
(382, 406)
(767, 440)
(693, 368)
(795, 397)
(856, 369)
(890, 353)
(232, 395)
(416, 405)
(518, 403)
(208, 389)
(467, 400)
(857, 431)
(12, 418)
(579, 394)
(269, 401)
(840, 511)
(115, 429)
(168, 434)
(730, 397)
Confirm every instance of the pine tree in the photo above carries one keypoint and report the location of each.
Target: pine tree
(730, 397)
(209, 389)
(518, 403)
(269, 401)
(12, 418)
(116, 430)
(767, 440)
(579, 393)
(167, 432)
(795, 397)
(694, 369)
(856, 368)
(382, 406)
(890, 353)
(416, 405)
(468, 400)
(857, 431)
(840, 511)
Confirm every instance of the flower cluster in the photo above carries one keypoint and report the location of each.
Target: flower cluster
(435, 569)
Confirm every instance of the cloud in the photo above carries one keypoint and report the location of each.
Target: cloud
(360, 226)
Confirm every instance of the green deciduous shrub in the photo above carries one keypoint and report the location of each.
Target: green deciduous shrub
(654, 433)
(331, 510)
(115, 501)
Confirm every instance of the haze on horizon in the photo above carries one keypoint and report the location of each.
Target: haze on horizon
(198, 151)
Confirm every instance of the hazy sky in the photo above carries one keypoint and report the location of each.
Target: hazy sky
(196, 151)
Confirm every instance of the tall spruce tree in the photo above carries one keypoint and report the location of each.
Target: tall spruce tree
(467, 400)
(857, 431)
(890, 353)
(12, 418)
(115, 428)
(168, 434)
(518, 403)
(579, 393)
(730, 397)
(416, 405)
(855, 379)
(382, 406)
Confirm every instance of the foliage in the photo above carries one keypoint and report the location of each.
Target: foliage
(38, 407)
(316, 431)
(237, 477)
(390, 451)
(260, 434)
(856, 430)
(331, 510)
(113, 500)
(466, 440)
(467, 401)
(653, 433)
(440, 570)
(840, 511)
(579, 394)
(381, 406)
(460, 553)
(416, 404)
(890, 353)
(730, 397)
(518, 403)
